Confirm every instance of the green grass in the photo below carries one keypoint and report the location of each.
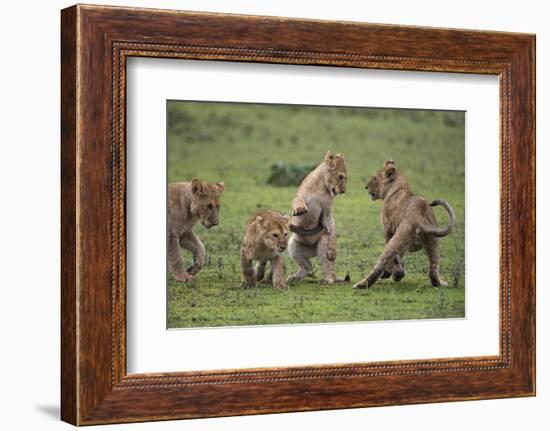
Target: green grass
(238, 144)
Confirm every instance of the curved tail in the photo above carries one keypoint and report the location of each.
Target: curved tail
(441, 231)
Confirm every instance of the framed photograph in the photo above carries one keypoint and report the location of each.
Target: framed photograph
(265, 215)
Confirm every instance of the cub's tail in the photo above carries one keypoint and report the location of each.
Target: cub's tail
(441, 231)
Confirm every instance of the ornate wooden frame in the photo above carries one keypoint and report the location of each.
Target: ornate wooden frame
(95, 43)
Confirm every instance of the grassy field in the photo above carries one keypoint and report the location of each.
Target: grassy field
(238, 144)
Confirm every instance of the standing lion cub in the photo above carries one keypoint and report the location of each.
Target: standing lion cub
(313, 227)
(265, 239)
(409, 225)
(188, 203)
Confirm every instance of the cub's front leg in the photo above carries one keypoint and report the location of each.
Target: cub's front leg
(278, 268)
(259, 271)
(191, 242)
(299, 206)
(175, 262)
(248, 278)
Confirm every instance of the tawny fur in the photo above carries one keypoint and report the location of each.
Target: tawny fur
(265, 240)
(409, 225)
(313, 205)
(188, 203)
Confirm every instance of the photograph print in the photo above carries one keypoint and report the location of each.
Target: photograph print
(294, 214)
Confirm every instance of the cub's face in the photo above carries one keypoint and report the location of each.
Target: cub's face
(274, 231)
(205, 201)
(277, 238)
(381, 182)
(336, 174)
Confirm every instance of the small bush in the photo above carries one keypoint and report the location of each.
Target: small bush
(286, 174)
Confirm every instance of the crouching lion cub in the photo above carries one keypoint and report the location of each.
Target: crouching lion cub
(313, 227)
(409, 225)
(265, 239)
(188, 203)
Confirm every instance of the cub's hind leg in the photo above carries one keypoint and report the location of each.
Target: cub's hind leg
(395, 247)
(395, 270)
(325, 244)
(300, 253)
(395, 267)
(398, 269)
(432, 250)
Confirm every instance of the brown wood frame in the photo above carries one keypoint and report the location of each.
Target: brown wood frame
(95, 43)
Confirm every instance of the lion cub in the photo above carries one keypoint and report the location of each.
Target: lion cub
(409, 225)
(189, 202)
(313, 227)
(265, 239)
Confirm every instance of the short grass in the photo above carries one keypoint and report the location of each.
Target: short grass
(238, 143)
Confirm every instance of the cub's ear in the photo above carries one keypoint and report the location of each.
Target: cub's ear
(196, 186)
(389, 162)
(221, 187)
(390, 172)
(261, 223)
(329, 159)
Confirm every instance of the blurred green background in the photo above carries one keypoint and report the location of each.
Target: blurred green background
(248, 145)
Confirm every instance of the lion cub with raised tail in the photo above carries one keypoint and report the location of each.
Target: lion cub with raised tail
(313, 227)
(409, 225)
(188, 203)
(265, 239)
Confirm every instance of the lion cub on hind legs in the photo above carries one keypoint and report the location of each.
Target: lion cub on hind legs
(409, 225)
(313, 227)
(188, 203)
(265, 240)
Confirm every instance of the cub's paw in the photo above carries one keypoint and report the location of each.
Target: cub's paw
(281, 285)
(193, 269)
(360, 285)
(437, 281)
(299, 209)
(248, 284)
(331, 254)
(372, 277)
(329, 280)
(185, 277)
(398, 275)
